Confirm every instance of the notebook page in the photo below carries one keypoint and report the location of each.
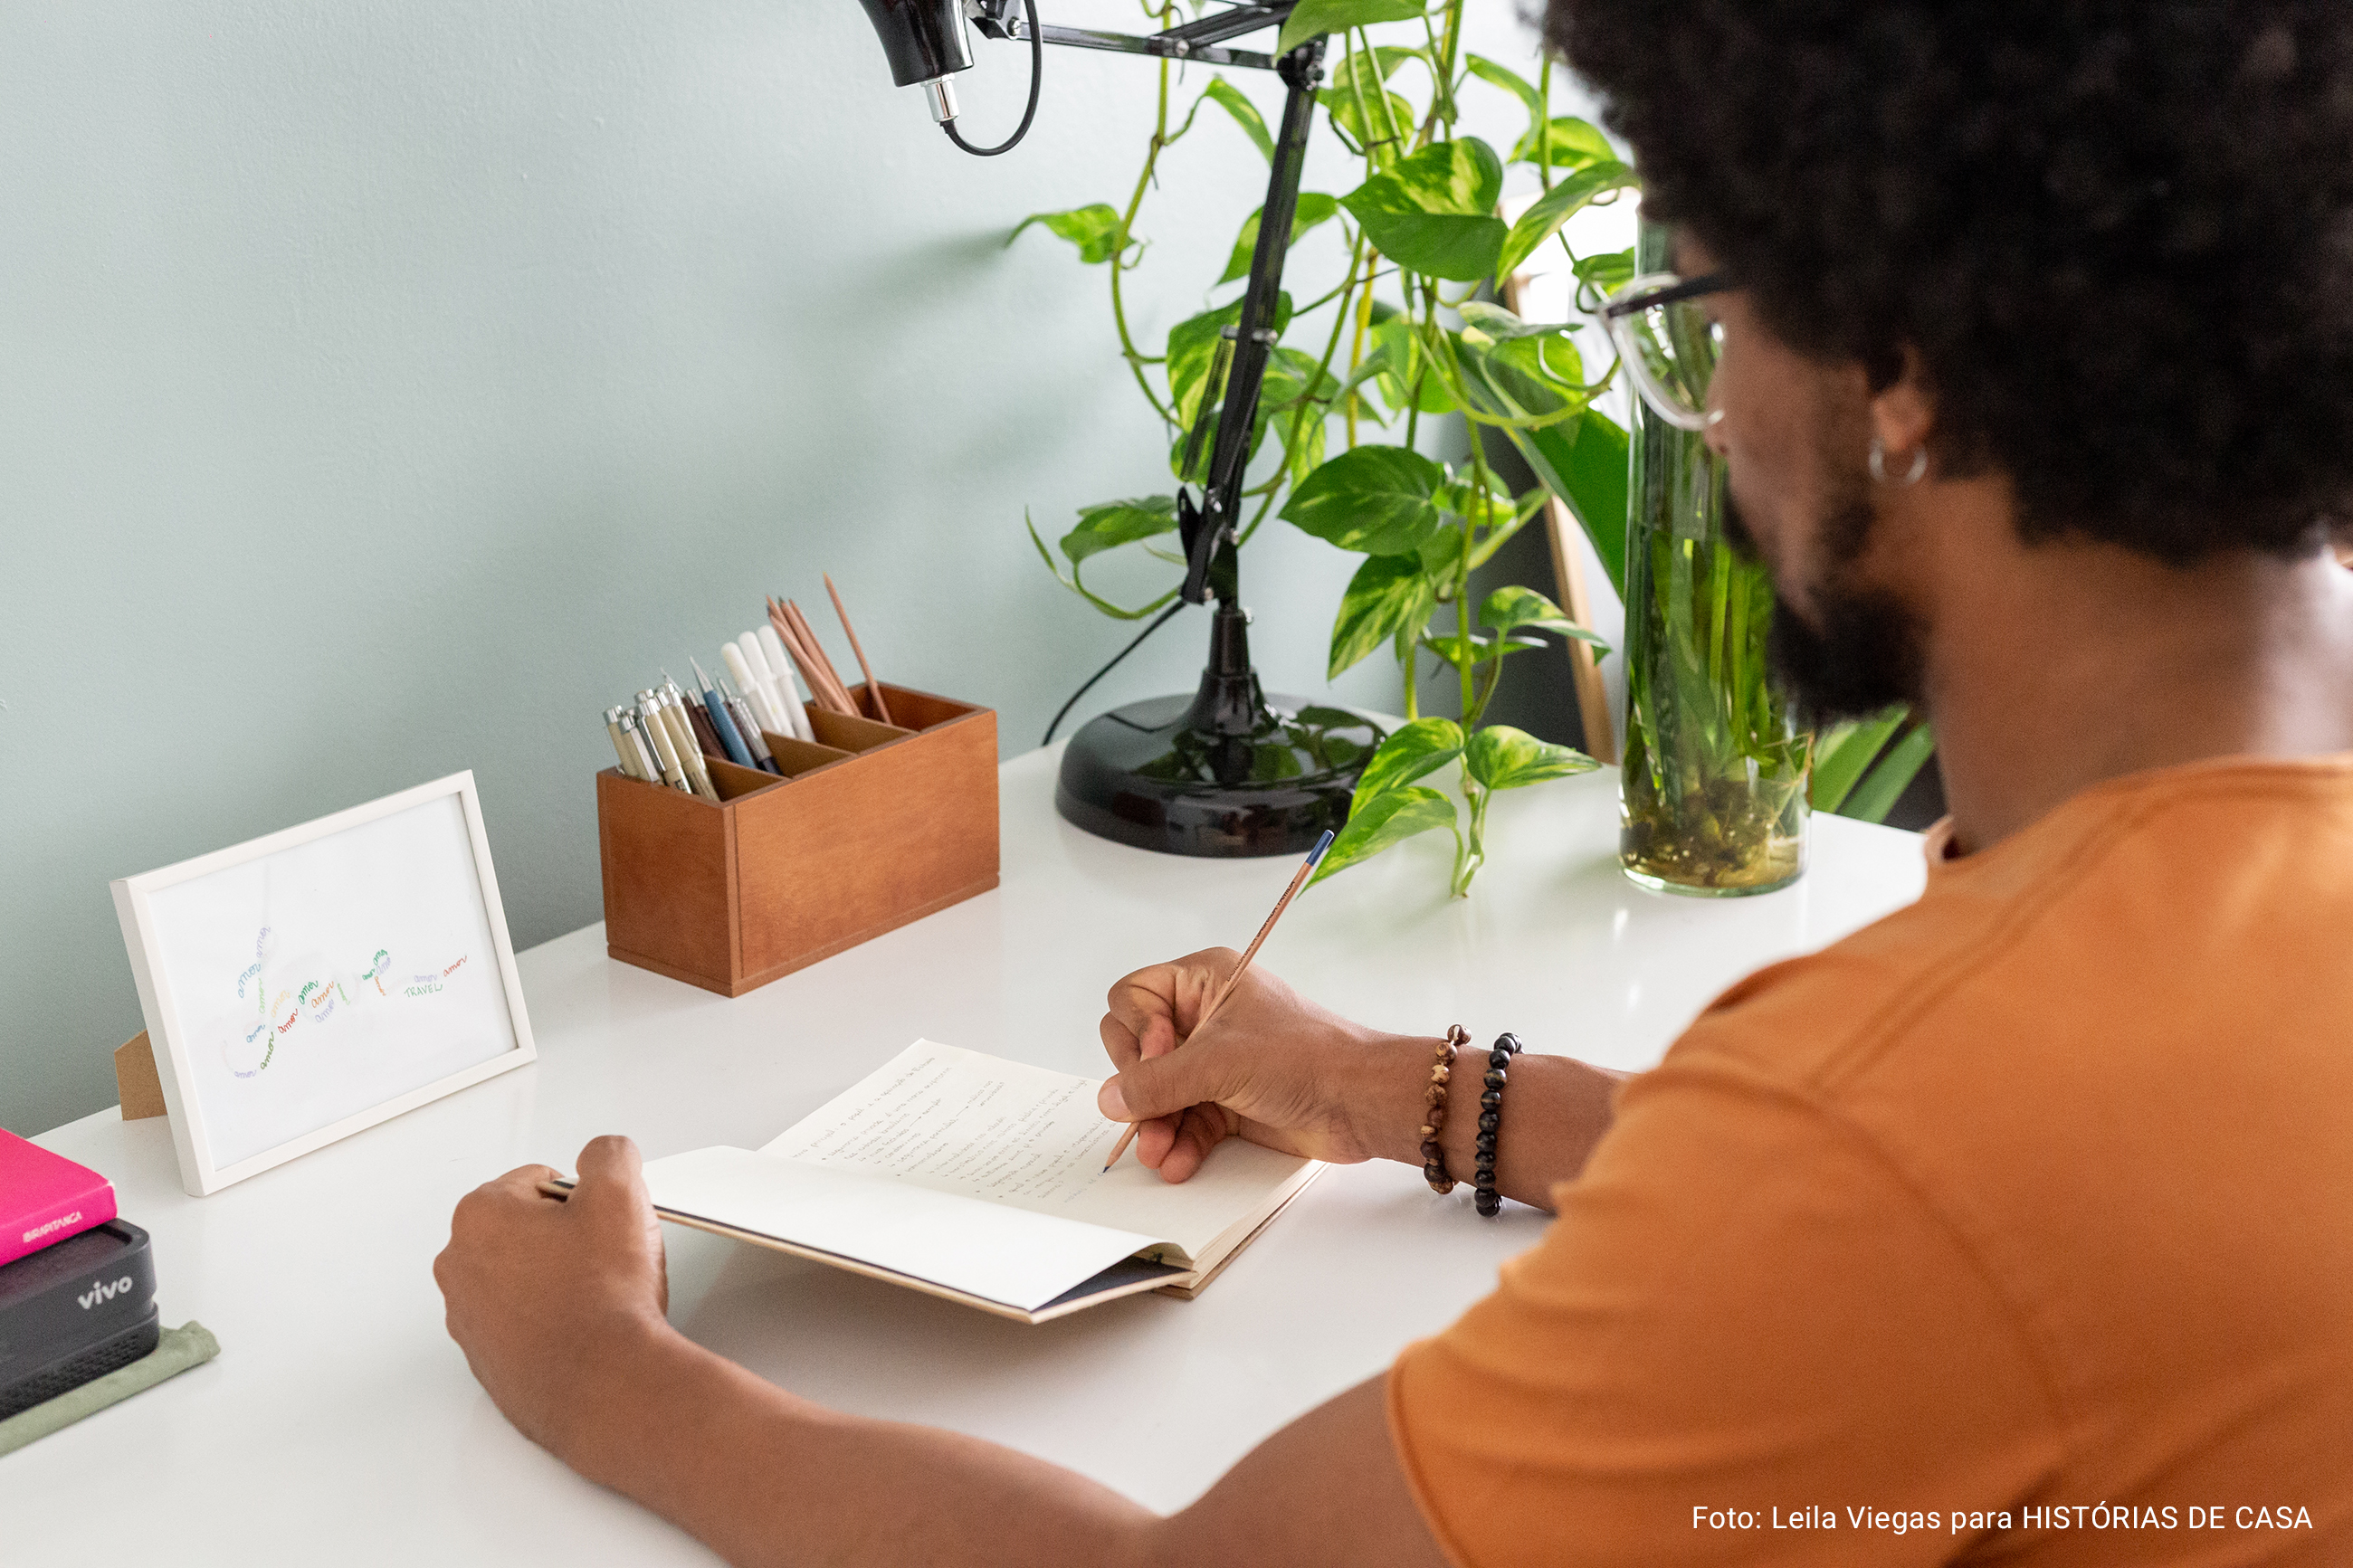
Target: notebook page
(1005, 1255)
(978, 1126)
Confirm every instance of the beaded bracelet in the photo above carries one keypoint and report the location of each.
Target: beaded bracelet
(1491, 1117)
(1433, 1156)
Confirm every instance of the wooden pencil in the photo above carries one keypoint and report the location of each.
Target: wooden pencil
(784, 635)
(812, 676)
(1233, 976)
(817, 650)
(803, 658)
(873, 687)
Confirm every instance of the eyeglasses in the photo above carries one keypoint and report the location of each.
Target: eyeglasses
(1668, 344)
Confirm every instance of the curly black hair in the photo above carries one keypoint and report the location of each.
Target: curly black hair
(2118, 233)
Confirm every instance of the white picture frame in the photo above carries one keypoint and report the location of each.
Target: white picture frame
(413, 868)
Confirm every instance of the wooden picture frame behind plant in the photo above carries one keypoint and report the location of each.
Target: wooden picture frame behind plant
(1397, 334)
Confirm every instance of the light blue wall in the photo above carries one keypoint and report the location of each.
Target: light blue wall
(385, 388)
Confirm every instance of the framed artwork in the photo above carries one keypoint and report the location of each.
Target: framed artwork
(323, 979)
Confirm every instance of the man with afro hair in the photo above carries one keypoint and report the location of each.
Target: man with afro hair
(2017, 1229)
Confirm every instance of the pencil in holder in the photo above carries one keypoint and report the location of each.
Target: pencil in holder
(870, 826)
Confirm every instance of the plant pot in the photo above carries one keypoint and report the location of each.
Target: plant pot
(1713, 799)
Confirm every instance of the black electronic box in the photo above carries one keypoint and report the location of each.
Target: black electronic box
(75, 1311)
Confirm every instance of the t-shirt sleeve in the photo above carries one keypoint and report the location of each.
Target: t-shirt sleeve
(1742, 1326)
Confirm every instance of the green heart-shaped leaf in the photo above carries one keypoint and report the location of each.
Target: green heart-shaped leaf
(1310, 18)
(1314, 207)
(1229, 97)
(1094, 229)
(1575, 144)
(1557, 206)
(1441, 553)
(1379, 125)
(1500, 326)
(1510, 80)
(1549, 358)
(1606, 272)
(1513, 605)
(1535, 375)
(1418, 749)
(1479, 647)
(1501, 757)
(1389, 593)
(1376, 499)
(1385, 819)
(1519, 609)
(1115, 524)
(1434, 212)
(1193, 349)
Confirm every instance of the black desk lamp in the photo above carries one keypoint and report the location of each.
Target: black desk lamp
(1220, 773)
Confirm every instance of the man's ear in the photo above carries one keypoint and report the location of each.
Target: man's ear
(1904, 412)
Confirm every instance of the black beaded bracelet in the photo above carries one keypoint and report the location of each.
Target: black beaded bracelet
(1491, 1117)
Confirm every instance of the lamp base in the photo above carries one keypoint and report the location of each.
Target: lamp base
(1155, 775)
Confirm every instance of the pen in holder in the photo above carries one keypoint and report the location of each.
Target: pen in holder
(868, 826)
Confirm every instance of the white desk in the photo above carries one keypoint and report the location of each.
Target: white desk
(340, 1424)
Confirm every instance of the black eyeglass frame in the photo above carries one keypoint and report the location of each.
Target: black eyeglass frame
(1690, 288)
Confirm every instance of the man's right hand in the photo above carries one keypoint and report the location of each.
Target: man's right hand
(1271, 1067)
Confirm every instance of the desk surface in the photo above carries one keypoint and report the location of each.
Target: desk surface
(341, 1418)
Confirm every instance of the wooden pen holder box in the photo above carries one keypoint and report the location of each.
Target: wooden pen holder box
(873, 826)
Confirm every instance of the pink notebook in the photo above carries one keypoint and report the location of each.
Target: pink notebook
(46, 1197)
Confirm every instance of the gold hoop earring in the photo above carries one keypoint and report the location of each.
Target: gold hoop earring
(1912, 476)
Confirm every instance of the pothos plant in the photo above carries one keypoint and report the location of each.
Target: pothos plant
(1407, 339)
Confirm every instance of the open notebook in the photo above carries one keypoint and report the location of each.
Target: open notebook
(980, 1180)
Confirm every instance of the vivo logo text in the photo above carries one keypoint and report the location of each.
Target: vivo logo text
(102, 1291)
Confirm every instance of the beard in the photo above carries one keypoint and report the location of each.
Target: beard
(1859, 651)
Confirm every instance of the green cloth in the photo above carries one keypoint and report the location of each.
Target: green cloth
(190, 1344)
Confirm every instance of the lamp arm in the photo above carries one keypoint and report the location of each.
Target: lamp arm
(1202, 40)
(1210, 534)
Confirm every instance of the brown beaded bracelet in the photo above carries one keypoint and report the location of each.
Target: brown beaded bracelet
(1433, 1155)
(1491, 1119)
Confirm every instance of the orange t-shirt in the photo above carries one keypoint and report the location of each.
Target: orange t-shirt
(2015, 1228)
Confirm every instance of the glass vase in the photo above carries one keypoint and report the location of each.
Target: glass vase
(1713, 799)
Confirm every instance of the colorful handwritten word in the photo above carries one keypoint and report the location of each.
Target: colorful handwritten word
(315, 999)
